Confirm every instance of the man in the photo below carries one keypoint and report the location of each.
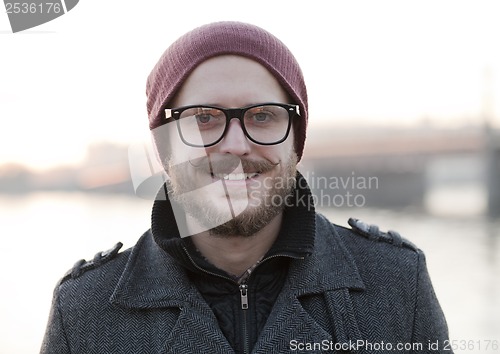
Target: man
(237, 259)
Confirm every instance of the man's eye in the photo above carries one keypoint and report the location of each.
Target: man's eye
(204, 118)
(261, 117)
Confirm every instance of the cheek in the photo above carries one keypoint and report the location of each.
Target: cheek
(161, 144)
(171, 147)
(291, 138)
(287, 147)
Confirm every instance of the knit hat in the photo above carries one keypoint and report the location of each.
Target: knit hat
(221, 38)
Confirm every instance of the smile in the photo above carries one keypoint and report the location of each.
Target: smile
(235, 176)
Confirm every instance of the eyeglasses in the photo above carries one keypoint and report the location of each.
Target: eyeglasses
(203, 126)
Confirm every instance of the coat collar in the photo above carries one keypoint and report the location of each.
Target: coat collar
(330, 267)
(153, 279)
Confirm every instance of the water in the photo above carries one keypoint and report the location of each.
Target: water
(44, 234)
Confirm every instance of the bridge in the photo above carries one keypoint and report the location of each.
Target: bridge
(403, 160)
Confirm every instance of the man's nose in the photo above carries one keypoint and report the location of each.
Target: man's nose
(235, 140)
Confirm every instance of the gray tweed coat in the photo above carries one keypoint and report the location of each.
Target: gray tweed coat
(361, 291)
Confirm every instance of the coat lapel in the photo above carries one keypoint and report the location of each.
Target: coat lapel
(330, 271)
(196, 332)
(153, 280)
(287, 325)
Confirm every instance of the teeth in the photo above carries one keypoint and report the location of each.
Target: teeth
(235, 176)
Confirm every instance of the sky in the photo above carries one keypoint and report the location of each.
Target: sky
(81, 78)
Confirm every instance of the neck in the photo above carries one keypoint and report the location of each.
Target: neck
(235, 254)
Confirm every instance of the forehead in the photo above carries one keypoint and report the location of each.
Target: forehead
(231, 81)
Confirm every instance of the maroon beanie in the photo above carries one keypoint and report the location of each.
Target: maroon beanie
(220, 38)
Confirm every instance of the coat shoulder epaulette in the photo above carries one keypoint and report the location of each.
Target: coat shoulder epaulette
(373, 232)
(99, 259)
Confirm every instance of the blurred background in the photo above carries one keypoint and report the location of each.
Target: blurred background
(404, 133)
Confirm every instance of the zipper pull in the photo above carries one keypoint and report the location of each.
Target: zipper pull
(244, 296)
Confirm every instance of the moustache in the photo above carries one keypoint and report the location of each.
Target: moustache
(220, 164)
(212, 165)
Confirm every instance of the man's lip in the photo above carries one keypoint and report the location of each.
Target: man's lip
(235, 177)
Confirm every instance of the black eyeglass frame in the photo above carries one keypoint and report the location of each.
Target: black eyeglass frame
(174, 114)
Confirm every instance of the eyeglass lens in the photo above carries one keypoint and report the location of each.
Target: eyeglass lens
(204, 126)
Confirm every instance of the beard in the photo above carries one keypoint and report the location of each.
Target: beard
(263, 204)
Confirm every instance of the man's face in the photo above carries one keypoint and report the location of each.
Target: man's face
(234, 187)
